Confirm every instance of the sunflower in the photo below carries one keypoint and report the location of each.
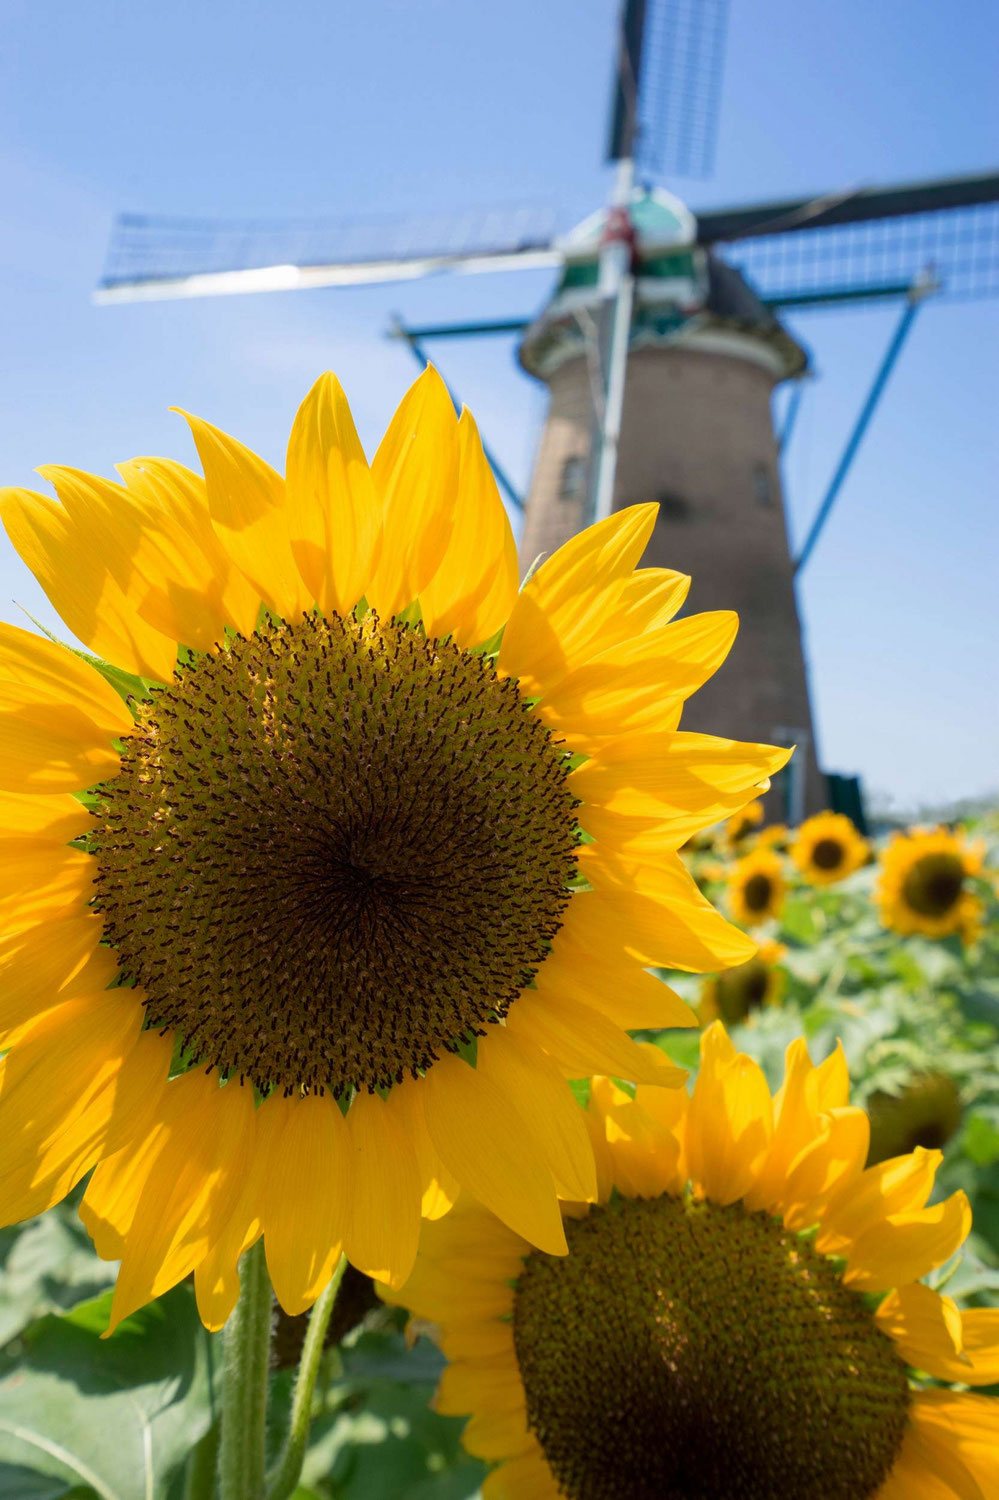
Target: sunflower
(743, 823)
(926, 1112)
(734, 995)
(923, 884)
(741, 1312)
(316, 898)
(777, 836)
(756, 887)
(828, 848)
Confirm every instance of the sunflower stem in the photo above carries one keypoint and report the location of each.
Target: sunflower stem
(284, 1477)
(246, 1359)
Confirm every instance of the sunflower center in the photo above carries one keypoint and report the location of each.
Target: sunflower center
(742, 990)
(757, 892)
(687, 1351)
(333, 850)
(934, 884)
(827, 854)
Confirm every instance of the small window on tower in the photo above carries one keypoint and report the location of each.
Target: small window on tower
(573, 477)
(763, 490)
(672, 507)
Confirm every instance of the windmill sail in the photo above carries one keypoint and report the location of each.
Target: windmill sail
(868, 242)
(156, 256)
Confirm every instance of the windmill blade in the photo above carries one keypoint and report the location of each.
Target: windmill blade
(851, 205)
(153, 257)
(679, 96)
(870, 243)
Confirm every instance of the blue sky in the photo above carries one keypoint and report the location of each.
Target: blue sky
(319, 107)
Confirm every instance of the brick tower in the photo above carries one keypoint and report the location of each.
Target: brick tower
(697, 436)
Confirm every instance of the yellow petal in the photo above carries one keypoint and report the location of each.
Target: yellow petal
(28, 823)
(626, 689)
(556, 622)
(48, 962)
(246, 498)
(416, 475)
(612, 982)
(908, 1246)
(650, 598)
(467, 1384)
(581, 1040)
(644, 1154)
(687, 781)
(70, 553)
(493, 1434)
(526, 1477)
(121, 530)
(44, 886)
(57, 717)
(825, 1166)
(665, 922)
(439, 1186)
(800, 1134)
(483, 1140)
(383, 1210)
(473, 590)
(487, 1340)
(216, 1276)
(72, 1083)
(192, 590)
(926, 1330)
(729, 1124)
(334, 515)
(305, 1196)
(521, 1071)
(901, 1185)
(199, 1148)
(958, 1441)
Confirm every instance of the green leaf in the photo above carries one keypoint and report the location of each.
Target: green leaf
(49, 1266)
(115, 1417)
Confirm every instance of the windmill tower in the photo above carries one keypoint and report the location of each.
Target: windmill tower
(660, 344)
(697, 436)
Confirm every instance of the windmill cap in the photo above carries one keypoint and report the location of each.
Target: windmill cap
(659, 219)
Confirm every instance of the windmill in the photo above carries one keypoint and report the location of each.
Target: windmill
(661, 344)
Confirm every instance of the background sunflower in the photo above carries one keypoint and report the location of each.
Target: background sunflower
(828, 848)
(925, 887)
(756, 887)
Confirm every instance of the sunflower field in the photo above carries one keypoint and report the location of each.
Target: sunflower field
(429, 1071)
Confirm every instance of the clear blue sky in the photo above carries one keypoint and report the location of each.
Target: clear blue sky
(400, 105)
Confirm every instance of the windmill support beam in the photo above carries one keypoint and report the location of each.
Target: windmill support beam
(410, 336)
(791, 414)
(838, 294)
(915, 297)
(460, 330)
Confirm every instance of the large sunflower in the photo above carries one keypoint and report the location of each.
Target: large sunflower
(756, 887)
(828, 848)
(314, 900)
(740, 1314)
(923, 885)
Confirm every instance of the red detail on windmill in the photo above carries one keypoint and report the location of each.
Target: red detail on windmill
(619, 230)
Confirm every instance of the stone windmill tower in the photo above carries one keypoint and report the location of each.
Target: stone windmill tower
(696, 435)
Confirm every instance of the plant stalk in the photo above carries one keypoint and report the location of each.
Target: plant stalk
(284, 1477)
(246, 1348)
